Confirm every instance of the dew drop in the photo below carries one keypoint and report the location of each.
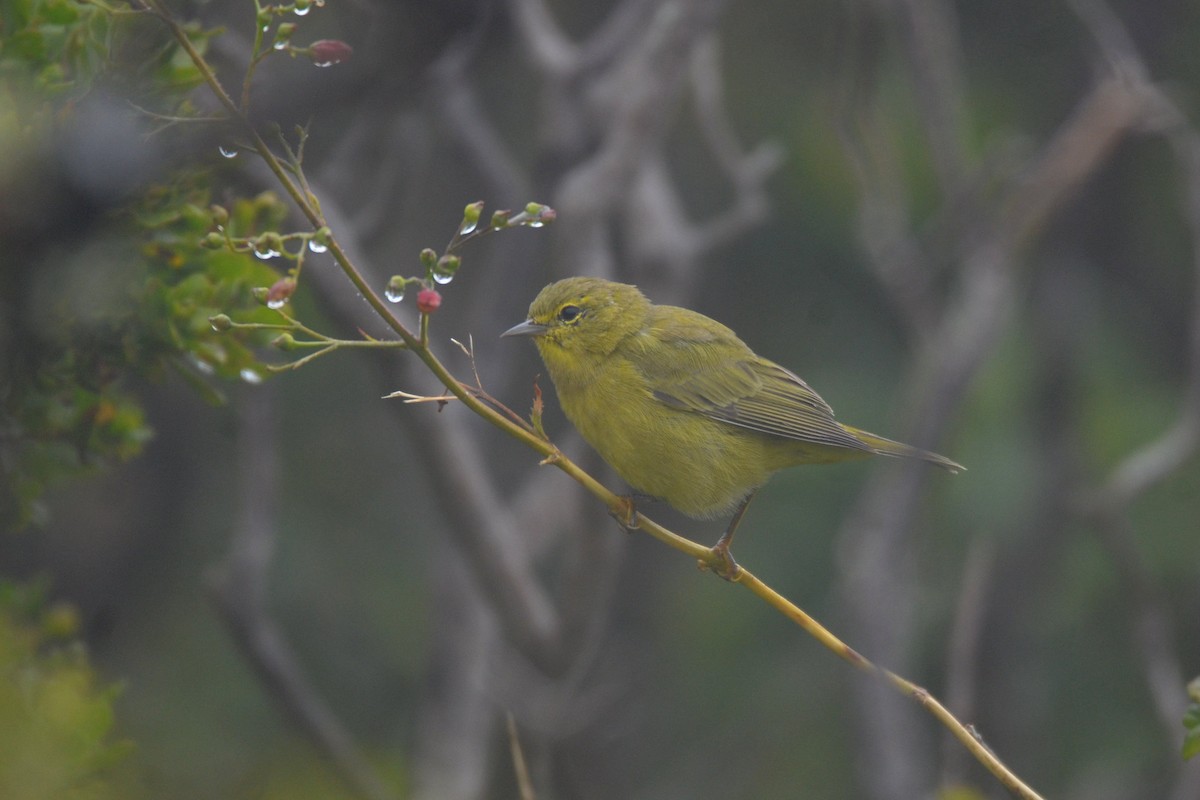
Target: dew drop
(280, 45)
(395, 289)
(324, 63)
(442, 278)
(300, 11)
(265, 255)
(537, 223)
(201, 365)
(276, 303)
(250, 376)
(316, 246)
(227, 152)
(468, 228)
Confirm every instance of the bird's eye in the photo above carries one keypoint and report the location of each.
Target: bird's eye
(569, 313)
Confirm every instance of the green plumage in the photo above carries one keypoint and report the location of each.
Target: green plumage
(677, 404)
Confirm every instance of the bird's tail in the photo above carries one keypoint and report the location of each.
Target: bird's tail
(887, 447)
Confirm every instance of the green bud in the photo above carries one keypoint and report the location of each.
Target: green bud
(213, 241)
(260, 294)
(284, 341)
(220, 214)
(220, 323)
(500, 218)
(470, 217)
(285, 31)
(445, 269)
(396, 286)
(268, 245)
(428, 259)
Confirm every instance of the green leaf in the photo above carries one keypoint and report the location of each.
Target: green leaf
(1191, 721)
(1191, 744)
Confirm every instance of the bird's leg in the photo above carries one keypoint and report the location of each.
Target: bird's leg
(722, 561)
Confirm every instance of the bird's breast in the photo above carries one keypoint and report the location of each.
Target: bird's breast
(700, 466)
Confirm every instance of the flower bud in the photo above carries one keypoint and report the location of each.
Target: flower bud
(394, 291)
(445, 268)
(428, 301)
(220, 214)
(327, 52)
(500, 218)
(280, 292)
(284, 341)
(470, 218)
(213, 241)
(428, 259)
(220, 323)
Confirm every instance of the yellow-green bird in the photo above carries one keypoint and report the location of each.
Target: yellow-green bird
(679, 406)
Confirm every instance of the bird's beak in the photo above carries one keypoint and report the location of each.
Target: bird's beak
(526, 328)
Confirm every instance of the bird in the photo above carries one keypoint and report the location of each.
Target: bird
(680, 407)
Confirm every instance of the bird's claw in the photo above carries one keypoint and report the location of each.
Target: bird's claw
(721, 562)
(626, 515)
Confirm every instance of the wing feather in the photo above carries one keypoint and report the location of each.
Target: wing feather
(699, 365)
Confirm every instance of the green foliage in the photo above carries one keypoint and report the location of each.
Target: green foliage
(1191, 721)
(56, 722)
(79, 322)
(70, 406)
(57, 46)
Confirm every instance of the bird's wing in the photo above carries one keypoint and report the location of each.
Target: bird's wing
(695, 364)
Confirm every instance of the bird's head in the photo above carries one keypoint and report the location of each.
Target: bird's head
(584, 316)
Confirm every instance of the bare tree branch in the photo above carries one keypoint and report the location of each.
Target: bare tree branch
(240, 587)
(1108, 505)
(874, 553)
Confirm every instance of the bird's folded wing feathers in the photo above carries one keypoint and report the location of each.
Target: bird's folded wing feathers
(706, 369)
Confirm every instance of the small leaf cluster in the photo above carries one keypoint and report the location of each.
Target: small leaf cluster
(70, 406)
(56, 719)
(54, 46)
(188, 280)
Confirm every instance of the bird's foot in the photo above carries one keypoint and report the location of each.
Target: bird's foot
(626, 514)
(721, 562)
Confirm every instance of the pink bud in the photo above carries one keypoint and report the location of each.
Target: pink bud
(327, 52)
(280, 291)
(428, 301)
